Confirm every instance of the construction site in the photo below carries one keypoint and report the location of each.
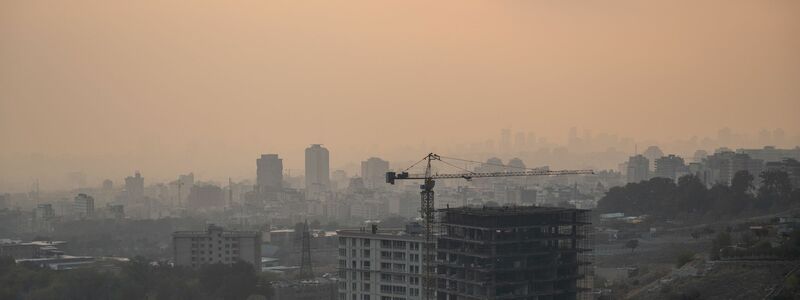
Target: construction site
(520, 252)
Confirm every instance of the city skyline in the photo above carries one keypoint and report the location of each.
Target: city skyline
(172, 88)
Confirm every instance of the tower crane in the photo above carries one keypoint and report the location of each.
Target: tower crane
(427, 201)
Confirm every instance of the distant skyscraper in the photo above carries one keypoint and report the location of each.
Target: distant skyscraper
(134, 186)
(373, 171)
(269, 173)
(84, 206)
(317, 169)
(638, 168)
(505, 141)
(108, 184)
(670, 166)
(519, 141)
(653, 153)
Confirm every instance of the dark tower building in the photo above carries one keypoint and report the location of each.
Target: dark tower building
(513, 253)
(269, 173)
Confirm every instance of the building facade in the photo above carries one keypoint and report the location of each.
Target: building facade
(670, 166)
(216, 245)
(373, 172)
(83, 206)
(380, 265)
(134, 187)
(520, 252)
(269, 173)
(638, 168)
(318, 178)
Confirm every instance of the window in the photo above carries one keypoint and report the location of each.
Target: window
(365, 243)
(366, 253)
(342, 252)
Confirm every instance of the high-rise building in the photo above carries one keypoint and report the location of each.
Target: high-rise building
(134, 187)
(373, 172)
(770, 153)
(216, 245)
(670, 166)
(269, 173)
(522, 252)
(83, 206)
(723, 165)
(205, 196)
(638, 168)
(380, 264)
(317, 169)
(505, 141)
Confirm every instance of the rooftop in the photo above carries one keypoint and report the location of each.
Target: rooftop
(507, 210)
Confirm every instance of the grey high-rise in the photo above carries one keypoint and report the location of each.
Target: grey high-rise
(317, 169)
(638, 168)
(269, 173)
(373, 172)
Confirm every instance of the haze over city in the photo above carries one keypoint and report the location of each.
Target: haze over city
(106, 88)
(400, 150)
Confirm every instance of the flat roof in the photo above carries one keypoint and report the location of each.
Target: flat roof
(390, 233)
(507, 210)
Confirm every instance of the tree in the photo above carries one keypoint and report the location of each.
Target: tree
(775, 188)
(691, 195)
(633, 244)
(742, 182)
(722, 240)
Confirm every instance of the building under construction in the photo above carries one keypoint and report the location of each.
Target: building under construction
(513, 253)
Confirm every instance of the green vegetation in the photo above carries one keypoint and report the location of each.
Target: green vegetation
(137, 279)
(662, 198)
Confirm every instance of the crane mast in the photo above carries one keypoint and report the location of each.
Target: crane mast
(427, 208)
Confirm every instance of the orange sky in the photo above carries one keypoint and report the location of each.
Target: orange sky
(174, 86)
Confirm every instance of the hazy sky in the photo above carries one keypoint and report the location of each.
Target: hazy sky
(108, 87)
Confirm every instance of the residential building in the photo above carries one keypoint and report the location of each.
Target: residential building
(638, 168)
(83, 206)
(770, 153)
(380, 264)
(269, 173)
(216, 245)
(134, 187)
(205, 196)
(520, 252)
(670, 166)
(317, 169)
(373, 172)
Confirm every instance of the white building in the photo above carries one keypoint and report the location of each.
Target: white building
(83, 206)
(216, 245)
(380, 265)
